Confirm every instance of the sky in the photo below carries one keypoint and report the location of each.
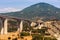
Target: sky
(18, 5)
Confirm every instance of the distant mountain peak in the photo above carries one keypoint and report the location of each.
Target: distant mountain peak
(43, 4)
(42, 10)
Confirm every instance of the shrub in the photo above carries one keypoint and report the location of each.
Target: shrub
(40, 37)
(24, 34)
(37, 37)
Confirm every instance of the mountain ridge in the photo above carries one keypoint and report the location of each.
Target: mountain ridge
(41, 10)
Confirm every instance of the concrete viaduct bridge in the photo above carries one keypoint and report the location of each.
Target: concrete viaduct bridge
(5, 19)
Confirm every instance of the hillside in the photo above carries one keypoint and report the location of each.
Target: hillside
(41, 10)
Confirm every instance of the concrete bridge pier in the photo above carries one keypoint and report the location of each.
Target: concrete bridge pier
(2, 30)
(5, 26)
(1, 26)
(21, 26)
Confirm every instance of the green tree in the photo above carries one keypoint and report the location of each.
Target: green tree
(24, 34)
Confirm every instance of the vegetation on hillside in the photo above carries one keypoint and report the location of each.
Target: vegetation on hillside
(44, 11)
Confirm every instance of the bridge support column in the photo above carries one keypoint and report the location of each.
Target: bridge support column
(21, 26)
(2, 31)
(2, 28)
(5, 26)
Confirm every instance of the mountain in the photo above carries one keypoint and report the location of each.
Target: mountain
(44, 11)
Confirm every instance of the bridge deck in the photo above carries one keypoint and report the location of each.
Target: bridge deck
(11, 17)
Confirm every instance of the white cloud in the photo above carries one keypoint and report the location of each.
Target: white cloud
(4, 10)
